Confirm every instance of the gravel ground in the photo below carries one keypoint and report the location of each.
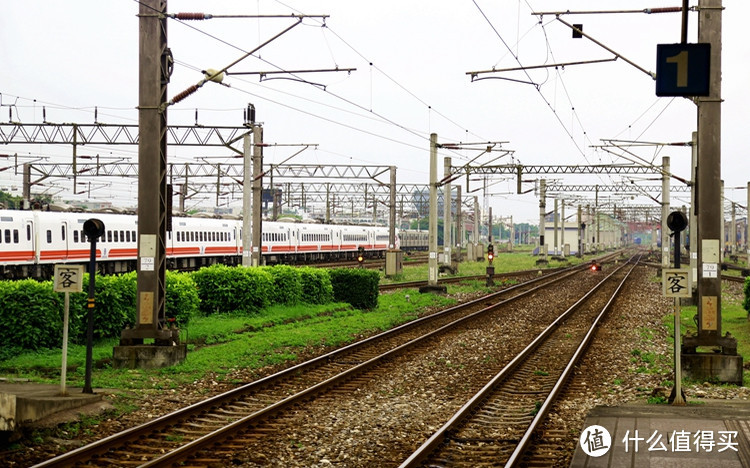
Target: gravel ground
(379, 424)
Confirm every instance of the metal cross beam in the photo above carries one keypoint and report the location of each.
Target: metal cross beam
(547, 169)
(112, 134)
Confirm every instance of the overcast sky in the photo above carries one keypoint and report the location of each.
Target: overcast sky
(411, 60)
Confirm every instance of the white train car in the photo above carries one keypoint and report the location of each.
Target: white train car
(32, 242)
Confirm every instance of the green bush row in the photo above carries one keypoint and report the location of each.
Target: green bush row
(31, 315)
(358, 287)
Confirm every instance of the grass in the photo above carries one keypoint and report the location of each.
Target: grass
(734, 319)
(504, 262)
(220, 344)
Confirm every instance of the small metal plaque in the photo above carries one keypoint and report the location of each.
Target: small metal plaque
(146, 312)
(709, 313)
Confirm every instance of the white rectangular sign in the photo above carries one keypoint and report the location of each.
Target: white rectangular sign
(68, 278)
(710, 270)
(147, 263)
(676, 282)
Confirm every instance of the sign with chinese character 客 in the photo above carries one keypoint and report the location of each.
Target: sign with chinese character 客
(676, 282)
(68, 278)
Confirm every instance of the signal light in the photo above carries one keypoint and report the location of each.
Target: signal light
(595, 266)
(360, 255)
(490, 252)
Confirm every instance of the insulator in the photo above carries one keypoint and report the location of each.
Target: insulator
(192, 16)
(662, 10)
(184, 94)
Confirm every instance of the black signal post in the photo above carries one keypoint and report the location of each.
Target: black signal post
(93, 228)
(490, 272)
(677, 222)
(360, 256)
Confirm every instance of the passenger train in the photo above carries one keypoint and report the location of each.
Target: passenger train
(32, 242)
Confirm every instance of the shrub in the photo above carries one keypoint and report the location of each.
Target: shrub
(356, 286)
(746, 302)
(181, 301)
(316, 285)
(31, 316)
(228, 289)
(114, 306)
(287, 288)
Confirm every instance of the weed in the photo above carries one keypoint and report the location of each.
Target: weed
(537, 407)
(656, 400)
(541, 372)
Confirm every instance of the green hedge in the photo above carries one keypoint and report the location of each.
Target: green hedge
(31, 313)
(31, 316)
(316, 285)
(233, 289)
(287, 287)
(746, 302)
(181, 302)
(357, 286)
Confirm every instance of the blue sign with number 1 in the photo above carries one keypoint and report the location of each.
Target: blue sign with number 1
(682, 69)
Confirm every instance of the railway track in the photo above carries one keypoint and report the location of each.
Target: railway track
(195, 434)
(495, 427)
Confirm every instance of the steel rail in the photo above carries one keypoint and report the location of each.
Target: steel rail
(470, 407)
(183, 453)
(104, 445)
(515, 457)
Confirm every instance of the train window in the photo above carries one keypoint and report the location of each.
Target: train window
(15, 236)
(213, 236)
(83, 237)
(7, 236)
(109, 236)
(75, 236)
(132, 235)
(117, 236)
(62, 230)
(127, 236)
(49, 236)
(28, 232)
(169, 235)
(122, 236)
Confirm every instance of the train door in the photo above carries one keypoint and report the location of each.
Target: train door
(30, 244)
(64, 238)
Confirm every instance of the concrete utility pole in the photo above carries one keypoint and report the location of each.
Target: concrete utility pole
(152, 180)
(257, 228)
(562, 233)
(581, 233)
(247, 209)
(447, 212)
(153, 76)
(477, 216)
(511, 234)
(665, 213)
(393, 256)
(459, 220)
(432, 234)
(727, 367)
(709, 178)
(542, 212)
(556, 221)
